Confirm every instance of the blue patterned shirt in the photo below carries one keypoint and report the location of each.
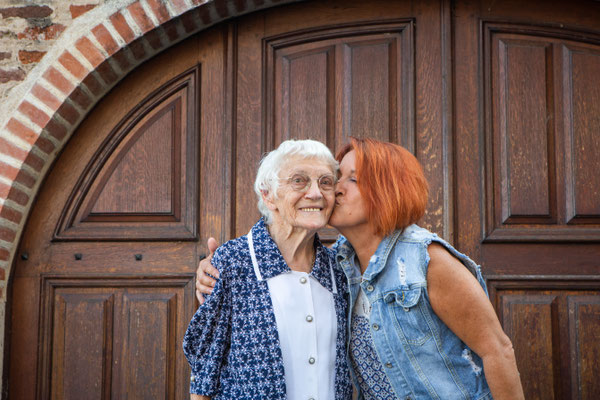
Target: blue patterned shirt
(232, 344)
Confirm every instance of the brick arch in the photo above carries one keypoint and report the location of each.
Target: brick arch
(88, 59)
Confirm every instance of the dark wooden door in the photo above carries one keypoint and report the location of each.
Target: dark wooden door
(104, 287)
(168, 158)
(527, 158)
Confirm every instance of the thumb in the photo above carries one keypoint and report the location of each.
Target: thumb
(212, 245)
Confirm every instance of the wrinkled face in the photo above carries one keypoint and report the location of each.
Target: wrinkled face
(305, 208)
(350, 210)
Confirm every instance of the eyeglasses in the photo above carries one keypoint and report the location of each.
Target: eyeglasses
(301, 182)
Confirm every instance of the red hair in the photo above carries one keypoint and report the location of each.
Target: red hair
(391, 182)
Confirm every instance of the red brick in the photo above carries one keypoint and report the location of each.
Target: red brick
(92, 83)
(4, 55)
(4, 190)
(188, 22)
(26, 12)
(121, 58)
(45, 145)
(58, 80)
(140, 17)
(154, 39)
(80, 98)
(21, 131)
(16, 174)
(106, 72)
(241, 5)
(204, 13)
(69, 113)
(24, 178)
(35, 114)
(89, 51)
(7, 234)
(221, 6)
(77, 10)
(46, 97)
(11, 214)
(122, 27)
(161, 12)
(34, 161)
(72, 65)
(179, 5)
(12, 150)
(105, 39)
(8, 171)
(2, 277)
(18, 196)
(137, 48)
(4, 254)
(30, 57)
(56, 129)
(171, 30)
(7, 75)
(38, 33)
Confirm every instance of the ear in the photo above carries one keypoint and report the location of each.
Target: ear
(268, 200)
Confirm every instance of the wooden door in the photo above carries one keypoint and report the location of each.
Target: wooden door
(527, 159)
(103, 289)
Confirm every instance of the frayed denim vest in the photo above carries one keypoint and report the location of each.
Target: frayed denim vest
(422, 357)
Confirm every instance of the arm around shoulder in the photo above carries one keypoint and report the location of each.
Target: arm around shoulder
(460, 302)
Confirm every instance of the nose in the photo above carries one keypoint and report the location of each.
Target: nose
(339, 188)
(313, 192)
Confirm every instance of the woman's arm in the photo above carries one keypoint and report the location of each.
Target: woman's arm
(198, 397)
(461, 303)
(207, 337)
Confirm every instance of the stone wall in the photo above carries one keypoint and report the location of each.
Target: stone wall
(27, 30)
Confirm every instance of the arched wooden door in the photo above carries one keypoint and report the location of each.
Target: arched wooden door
(103, 290)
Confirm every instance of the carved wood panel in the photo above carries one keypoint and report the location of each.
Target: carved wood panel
(141, 183)
(329, 84)
(542, 136)
(553, 325)
(124, 332)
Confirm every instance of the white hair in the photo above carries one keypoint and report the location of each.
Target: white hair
(267, 176)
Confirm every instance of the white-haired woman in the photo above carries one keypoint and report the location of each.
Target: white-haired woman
(274, 325)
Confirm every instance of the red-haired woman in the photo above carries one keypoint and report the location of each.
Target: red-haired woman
(421, 325)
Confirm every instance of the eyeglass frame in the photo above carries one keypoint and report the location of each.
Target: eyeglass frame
(309, 181)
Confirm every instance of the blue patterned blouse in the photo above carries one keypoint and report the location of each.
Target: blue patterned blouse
(232, 343)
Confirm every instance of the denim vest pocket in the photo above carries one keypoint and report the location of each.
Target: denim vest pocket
(406, 312)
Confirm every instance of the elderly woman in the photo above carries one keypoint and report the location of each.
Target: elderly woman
(421, 325)
(274, 326)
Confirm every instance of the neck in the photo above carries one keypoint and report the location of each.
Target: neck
(365, 244)
(296, 246)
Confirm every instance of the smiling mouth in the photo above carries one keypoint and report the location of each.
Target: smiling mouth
(311, 209)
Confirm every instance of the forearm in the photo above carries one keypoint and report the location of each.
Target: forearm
(502, 374)
(198, 397)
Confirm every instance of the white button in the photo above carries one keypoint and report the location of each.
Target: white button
(193, 378)
(388, 365)
(376, 327)
(303, 279)
(309, 318)
(370, 288)
(311, 360)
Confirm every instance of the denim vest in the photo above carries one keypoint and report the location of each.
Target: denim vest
(422, 357)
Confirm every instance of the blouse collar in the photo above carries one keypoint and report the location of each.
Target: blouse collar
(271, 263)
